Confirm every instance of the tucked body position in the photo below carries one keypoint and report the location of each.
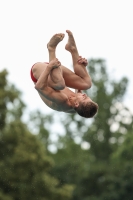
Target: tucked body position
(53, 80)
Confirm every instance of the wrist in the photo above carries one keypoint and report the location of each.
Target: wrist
(49, 67)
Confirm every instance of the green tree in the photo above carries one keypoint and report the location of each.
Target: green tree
(92, 170)
(24, 166)
(121, 185)
(113, 118)
(41, 124)
(118, 182)
(9, 96)
(24, 163)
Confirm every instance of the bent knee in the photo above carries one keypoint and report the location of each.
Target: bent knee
(60, 85)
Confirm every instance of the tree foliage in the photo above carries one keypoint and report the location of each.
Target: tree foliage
(94, 158)
(24, 163)
(92, 171)
(9, 96)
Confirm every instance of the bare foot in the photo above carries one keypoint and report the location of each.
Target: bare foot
(55, 40)
(71, 45)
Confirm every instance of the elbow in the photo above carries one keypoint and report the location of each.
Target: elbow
(59, 86)
(38, 87)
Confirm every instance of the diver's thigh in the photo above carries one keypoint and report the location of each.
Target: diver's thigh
(72, 80)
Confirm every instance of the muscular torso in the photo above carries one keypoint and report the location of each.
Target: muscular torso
(64, 106)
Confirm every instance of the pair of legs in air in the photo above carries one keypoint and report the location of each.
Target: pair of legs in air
(62, 77)
(53, 83)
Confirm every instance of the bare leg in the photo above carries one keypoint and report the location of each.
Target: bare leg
(77, 80)
(71, 47)
(56, 79)
(79, 69)
(54, 41)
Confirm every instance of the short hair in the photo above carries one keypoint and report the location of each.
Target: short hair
(87, 110)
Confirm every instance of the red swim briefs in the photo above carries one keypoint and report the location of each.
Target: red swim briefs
(31, 74)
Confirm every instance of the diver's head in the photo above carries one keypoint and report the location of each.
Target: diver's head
(83, 105)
